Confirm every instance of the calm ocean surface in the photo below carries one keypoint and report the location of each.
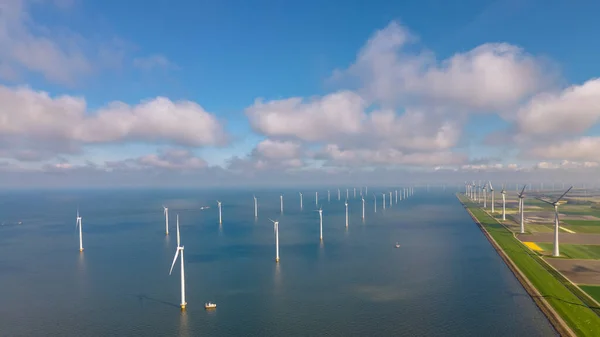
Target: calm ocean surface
(444, 280)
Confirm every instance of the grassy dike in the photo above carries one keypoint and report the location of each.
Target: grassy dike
(567, 313)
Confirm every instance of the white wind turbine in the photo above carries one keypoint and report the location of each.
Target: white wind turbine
(503, 192)
(338, 194)
(556, 251)
(78, 224)
(220, 218)
(320, 210)
(492, 192)
(346, 203)
(328, 196)
(363, 207)
(180, 249)
(347, 194)
(300, 200)
(281, 203)
(383, 200)
(276, 230)
(255, 207)
(375, 203)
(355, 193)
(317, 198)
(396, 196)
(484, 188)
(522, 208)
(166, 212)
(390, 200)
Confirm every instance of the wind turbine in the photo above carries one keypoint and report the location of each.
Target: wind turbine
(383, 200)
(255, 207)
(180, 249)
(522, 208)
(556, 251)
(492, 192)
(317, 198)
(396, 196)
(78, 224)
(166, 212)
(276, 229)
(346, 203)
(281, 203)
(320, 210)
(355, 193)
(347, 194)
(503, 192)
(220, 219)
(338, 194)
(363, 207)
(300, 200)
(375, 199)
(328, 196)
(484, 189)
(390, 200)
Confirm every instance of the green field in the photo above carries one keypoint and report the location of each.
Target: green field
(574, 251)
(593, 291)
(553, 286)
(583, 226)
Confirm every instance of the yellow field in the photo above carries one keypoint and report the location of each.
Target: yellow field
(533, 246)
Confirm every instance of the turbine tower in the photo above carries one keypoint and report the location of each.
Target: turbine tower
(375, 203)
(390, 200)
(180, 250)
(339, 194)
(317, 198)
(220, 218)
(281, 203)
(396, 196)
(300, 200)
(346, 203)
(320, 210)
(503, 192)
(355, 193)
(522, 208)
(363, 207)
(78, 224)
(556, 251)
(166, 212)
(255, 207)
(347, 194)
(276, 229)
(383, 200)
(484, 189)
(328, 196)
(492, 192)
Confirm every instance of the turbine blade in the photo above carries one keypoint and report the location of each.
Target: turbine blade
(491, 188)
(557, 200)
(174, 260)
(178, 240)
(523, 190)
(548, 202)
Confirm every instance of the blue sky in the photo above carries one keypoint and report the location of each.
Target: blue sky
(222, 56)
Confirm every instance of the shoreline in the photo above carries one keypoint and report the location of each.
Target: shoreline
(553, 317)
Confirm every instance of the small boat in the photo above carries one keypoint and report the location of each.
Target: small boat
(397, 245)
(209, 305)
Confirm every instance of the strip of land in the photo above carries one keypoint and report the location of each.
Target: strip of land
(569, 310)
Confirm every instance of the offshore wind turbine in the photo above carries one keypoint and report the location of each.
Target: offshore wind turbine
(522, 208)
(300, 200)
(363, 207)
(328, 196)
(338, 194)
(219, 205)
(355, 193)
(484, 188)
(346, 203)
(166, 212)
(390, 202)
(281, 203)
(347, 194)
(492, 192)
(255, 207)
(276, 230)
(78, 224)
(317, 198)
(396, 196)
(180, 250)
(383, 200)
(556, 251)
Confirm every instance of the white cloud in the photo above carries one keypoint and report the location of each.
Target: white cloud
(572, 111)
(33, 123)
(271, 149)
(152, 62)
(491, 76)
(584, 148)
(269, 155)
(170, 159)
(336, 156)
(565, 164)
